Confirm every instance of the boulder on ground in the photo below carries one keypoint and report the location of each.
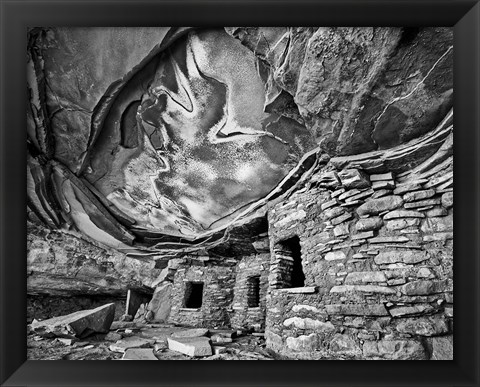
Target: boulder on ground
(79, 324)
(191, 346)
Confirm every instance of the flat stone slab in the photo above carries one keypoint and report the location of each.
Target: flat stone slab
(191, 346)
(305, 289)
(80, 324)
(196, 332)
(139, 354)
(130, 342)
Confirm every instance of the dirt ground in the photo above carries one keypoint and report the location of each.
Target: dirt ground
(244, 346)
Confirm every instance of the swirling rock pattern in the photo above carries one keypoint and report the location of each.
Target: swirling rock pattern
(148, 135)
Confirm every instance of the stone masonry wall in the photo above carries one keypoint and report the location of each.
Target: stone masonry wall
(243, 316)
(377, 255)
(218, 283)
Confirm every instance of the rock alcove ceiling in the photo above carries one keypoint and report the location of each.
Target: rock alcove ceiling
(159, 142)
(294, 182)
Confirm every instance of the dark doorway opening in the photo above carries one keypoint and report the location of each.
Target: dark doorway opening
(193, 294)
(291, 247)
(253, 291)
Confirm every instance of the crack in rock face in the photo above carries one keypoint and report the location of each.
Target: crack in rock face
(193, 146)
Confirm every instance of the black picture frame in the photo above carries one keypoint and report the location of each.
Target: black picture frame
(17, 15)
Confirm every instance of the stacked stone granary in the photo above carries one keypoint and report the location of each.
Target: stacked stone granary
(350, 253)
(377, 256)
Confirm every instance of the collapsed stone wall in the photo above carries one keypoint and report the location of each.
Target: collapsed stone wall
(243, 315)
(218, 282)
(377, 256)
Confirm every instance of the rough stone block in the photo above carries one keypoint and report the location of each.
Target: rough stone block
(406, 256)
(438, 237)
(221, 339)
(196, 332)
(447, 199)
(441, 347)
(403, 214)
(224, 333)
(354, 178)
(425, 272)
(130, 342)
(139, 354)
(357, 309)
(409, 187)
(395, 350)
(327, 179)
(303, 343)
(361, 195)
(369, 224)
(379, 193)
(329, 204)
(191, 346)
(424, 287)
(341, 229)
(436, 212)
(399, 311)
(349, 193)
(363, 235)
(295, 216)
(113, 336)
(362, 289)
(388, 184)
(273, 340)
(342, 344)
(418, 195)
(376, 206)
(440, 181)
(80, 324)
(449, 311)
(308, 323)
(333, 212)
(381, 176)
(401, 224)
(357, 277)
(262, 245)
(302, 290)
(423, 326)
(304, 308)
(422, 203)
(389, 239)
(337, 192)
(335, 255)
(341, 218)
(218, 350)
(432, 225)
(161, 303)
(65, 341)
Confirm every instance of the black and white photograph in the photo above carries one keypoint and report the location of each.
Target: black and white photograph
(239, 193)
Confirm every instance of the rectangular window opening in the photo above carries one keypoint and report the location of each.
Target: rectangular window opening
(193, 295)
(253, 291)
(290, 248)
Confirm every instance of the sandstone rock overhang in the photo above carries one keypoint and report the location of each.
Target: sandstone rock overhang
(354, 94)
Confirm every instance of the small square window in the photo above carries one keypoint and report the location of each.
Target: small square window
(193, 295)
